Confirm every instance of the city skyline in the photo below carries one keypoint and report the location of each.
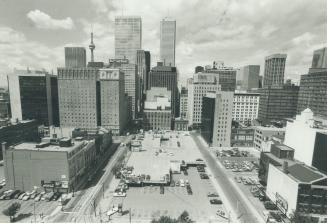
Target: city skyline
(219, 30)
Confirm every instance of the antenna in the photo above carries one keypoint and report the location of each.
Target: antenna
(92, 46)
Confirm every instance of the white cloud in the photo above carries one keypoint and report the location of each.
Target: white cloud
(44, 21)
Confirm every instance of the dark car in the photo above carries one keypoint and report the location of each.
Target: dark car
(200, 160)
(18, 194)
(213, 195)
(185, 172)
(215, 201)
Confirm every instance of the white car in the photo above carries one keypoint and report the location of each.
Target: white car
(21, 196)
(26, 197)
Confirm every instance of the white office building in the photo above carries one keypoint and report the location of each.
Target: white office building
(167, 41)
(198, 87)
(245, 106)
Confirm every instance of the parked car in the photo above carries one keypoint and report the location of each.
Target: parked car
(215, 201)
(26, 197)
(38, 197)
(21, 196)
(212, 195)
(18, 194)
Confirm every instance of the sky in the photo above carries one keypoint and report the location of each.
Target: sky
(33, 33)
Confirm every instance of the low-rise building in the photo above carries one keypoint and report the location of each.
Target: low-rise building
(263, 134)
(180, 124)
(242, 136)
(52, 165)
(16, 132)
(157, 110)
(299, 188)
(276, 156)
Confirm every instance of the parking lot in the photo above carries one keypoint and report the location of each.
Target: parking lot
(188, 192)
(27, 208)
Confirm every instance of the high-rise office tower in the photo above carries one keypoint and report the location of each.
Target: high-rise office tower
(168, 41)
(277, 103)
(216, 118)
(313, 93)
(225, 76)
(79, 97)
(143, 61)
(246, 105)
(198, 87)
(33, 95)
(183, 103)
(128, 37)
(166, 76)
(131, 82)
(113, 110)
(250, 77)
(274, 70)
(75, 57)
(319, 59)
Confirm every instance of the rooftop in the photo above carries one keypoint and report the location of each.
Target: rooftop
(268, 128)
(304, 174)
(50, 148)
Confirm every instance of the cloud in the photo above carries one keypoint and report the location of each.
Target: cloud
(44, 21)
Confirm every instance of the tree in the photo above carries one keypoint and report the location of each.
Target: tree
(164, 219)
(184, 217)
(12, 210)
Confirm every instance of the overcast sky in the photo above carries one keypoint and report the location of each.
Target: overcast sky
(33, 33)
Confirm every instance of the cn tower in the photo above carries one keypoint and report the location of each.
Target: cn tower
(92, 47)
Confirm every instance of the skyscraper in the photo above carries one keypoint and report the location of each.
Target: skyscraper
(313, 86)
(319, 59)
(143, 61)
(250, 77)
(131, 82)
(274, 70)
(113, 110)
(33, 95)
(216, 118)
(128, 37)
(79, 97)
(165, 76)
(225, 76)
(277, 103)
(167, 41)
(75, 57)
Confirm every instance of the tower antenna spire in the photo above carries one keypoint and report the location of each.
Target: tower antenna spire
(92, 46)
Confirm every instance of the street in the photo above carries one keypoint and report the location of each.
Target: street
(240, 206)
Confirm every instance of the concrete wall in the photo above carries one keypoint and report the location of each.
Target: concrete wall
(286, 187)
(25, 169)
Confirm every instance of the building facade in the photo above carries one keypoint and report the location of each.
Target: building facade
(277, 103)
(128, 37)
(313, 93)
(33, 95)
(183, 103)
(79, 97)
(225, 76)
(274, 70)
(16, 132)
(52, 165)
(166, 77)
(168, 41)
(75, 57)
(131, 82)
(217, 118)
(319, 59)
(263, 134)
(157, 113)
(308, 139)
(198, 87)
(242, 137)
(114, 114)
(245, 107)
(250, 77)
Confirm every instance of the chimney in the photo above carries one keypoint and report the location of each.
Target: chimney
(285, 167)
